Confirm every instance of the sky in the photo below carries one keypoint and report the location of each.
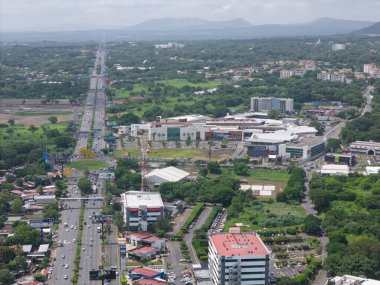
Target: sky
(63, 15)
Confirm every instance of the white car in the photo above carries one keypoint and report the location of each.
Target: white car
(74, 240)
(66, 266)
(67, 230)
(83, 249)
(65, 277)
(75, 228)
(63, 256)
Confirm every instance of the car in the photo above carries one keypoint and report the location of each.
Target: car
(66, 266)
(88, 226)
(62, 264)
(49, 276)
(83, 249)
(75, 228)
(182, 260)
(67, 230)
(63, 256)
(74, 240)
(65, 277)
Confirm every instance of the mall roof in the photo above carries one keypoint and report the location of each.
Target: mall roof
(170, 174)
(238, 244)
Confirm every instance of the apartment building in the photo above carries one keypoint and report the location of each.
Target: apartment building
(272, 103)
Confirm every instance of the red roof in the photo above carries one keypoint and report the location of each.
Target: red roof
(148, 281)
(235, 244)
(144, 271)
(143, 250)
(152, 239)
(16, 192)
(139, 235)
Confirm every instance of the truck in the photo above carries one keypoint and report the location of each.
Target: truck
(99, 229)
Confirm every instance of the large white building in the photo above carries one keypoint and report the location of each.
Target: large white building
(141, 209)
(238, 258)
(167, 174)
(259, 104)
(336, 47)
(352, 280)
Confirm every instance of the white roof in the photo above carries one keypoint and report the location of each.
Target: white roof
(27, 248)
(245, 187)
(135, 199)
(265, 193)
(190, 118)
(372, 169)
(42, 197)
(43, 248)
(335, 169)
(258, 187)
(170, 174)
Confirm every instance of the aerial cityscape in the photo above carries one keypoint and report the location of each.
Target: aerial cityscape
(187, 147)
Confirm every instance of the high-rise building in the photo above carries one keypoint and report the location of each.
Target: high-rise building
(336, 47)
(237, 258)
(141, 209)
(271, 103)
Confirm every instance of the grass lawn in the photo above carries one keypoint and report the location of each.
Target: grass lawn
(282, 209)
(31, 114)
(91, 164)
(179, 83)
(172, 153)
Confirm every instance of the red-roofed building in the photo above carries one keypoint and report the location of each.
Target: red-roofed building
(145, 239)
(145, 253)
(240, 256)
(149, 281)
(145, 272)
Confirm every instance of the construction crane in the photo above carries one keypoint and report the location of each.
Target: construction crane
(144, 163)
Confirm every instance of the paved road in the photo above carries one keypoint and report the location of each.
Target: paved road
(368, 97)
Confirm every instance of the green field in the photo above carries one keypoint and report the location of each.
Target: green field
(179, 83)
(172, 153)
(21, 132)
(91, 164)
(31, 114)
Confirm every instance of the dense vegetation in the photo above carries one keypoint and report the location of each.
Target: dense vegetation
(366, 127)
(350, 208)
(27, 70)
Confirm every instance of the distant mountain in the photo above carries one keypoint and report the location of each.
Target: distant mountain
(196, 29)
(172, 24)
(373, 29)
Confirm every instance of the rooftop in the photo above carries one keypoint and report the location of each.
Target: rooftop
(143, 250)
(145, 271)
(43, 248)
(238, 244)
(365, 144)
(353, 280)
(306, 141)
(149, 281)
(135, 199)
(171, 174)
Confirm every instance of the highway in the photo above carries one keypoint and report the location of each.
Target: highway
(93, 118)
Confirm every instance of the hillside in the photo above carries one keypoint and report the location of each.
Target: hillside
(373, 29)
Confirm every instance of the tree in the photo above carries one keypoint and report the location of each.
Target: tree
(53, 119)
(85, 186)
(24, 234)
(213, 167)
(334, 144)
(118, 220)
(241, 168)
(16, 205)
(51, 211)
(6, 277)
(312, 225)
(11, 122)
(318, 126)
(203, 172)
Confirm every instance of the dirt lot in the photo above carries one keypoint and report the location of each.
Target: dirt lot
(32, 112)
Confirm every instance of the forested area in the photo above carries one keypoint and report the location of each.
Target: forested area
(165, 80)
(49, 71)
(367, 127)
(350, 211)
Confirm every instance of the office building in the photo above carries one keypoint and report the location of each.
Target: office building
(237, 258)
(141, 209)
(340, 158)
(365, 147)
(271, 103)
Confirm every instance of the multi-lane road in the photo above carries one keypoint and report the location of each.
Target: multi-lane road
(93, 120)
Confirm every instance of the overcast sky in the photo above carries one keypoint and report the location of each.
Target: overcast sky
(53, 15)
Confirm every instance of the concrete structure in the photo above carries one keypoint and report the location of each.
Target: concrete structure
(187, 118)
(238, 258)
(366, 147)
(372, 170)
(138, 128)
(334, 169)
(336, 47)
(304, 148)
(352, 280)
(168, 174)
(45, 199)
(141, 209)
(272, 103)
(340, 158)
(368, 67)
